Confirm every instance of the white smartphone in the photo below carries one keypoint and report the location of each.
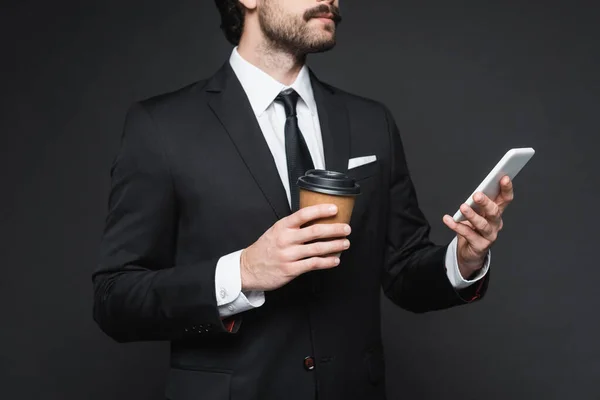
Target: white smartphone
(513, 161)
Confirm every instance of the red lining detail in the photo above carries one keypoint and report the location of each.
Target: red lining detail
(477, 294)
(229, 324)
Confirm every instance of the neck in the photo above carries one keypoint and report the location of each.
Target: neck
(282, 65)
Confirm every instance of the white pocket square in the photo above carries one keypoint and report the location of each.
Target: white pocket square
(358, 161)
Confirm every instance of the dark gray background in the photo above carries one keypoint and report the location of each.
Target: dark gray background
(466, 81)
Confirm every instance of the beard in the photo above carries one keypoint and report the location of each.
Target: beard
(292, 33)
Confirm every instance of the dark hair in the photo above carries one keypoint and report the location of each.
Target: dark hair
(232, 19)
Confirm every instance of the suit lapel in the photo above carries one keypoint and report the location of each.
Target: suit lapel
(335, 126)
(231, 106)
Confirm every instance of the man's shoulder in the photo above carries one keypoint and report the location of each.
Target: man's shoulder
(175, 98)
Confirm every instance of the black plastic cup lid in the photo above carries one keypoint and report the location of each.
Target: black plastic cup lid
(329, 182)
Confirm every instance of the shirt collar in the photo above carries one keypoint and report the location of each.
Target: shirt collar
(262, 89)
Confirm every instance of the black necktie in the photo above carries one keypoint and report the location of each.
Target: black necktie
(296, 151)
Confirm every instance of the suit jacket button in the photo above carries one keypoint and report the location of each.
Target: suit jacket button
(309, 363)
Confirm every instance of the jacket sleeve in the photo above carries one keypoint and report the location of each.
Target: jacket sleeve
(414, 275)
(139, 294)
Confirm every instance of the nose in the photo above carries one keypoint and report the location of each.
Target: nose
(329, 2)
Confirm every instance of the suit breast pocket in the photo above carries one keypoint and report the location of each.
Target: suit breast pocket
(364, 171)
(185, 384)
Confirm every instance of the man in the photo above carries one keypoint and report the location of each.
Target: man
(204, 244)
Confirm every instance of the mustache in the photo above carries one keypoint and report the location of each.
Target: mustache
(324, 10)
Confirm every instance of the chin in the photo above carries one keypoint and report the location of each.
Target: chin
(323, 36)
(322, 46)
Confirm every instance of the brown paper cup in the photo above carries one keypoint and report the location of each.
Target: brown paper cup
(328, 187)
(345, 205)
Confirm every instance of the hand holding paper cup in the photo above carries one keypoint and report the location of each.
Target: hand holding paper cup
(329, 187)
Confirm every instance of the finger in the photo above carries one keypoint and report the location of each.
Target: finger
(480, 224)
(313, 263)
(476, 241)
(507, 193)
(308, 214)
(321, 231)
(487, 208)
(319, 248)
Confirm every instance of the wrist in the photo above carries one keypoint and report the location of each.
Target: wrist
(245, 272)
(468, 268)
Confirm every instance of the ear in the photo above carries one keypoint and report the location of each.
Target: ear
(249, 4)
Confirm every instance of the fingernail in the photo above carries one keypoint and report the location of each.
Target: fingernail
(346, 244)
(478, 197)
(464, 208)
(337, 261)
(333, 208)
(347, 229)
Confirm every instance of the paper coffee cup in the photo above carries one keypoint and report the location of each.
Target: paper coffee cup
(329, 187)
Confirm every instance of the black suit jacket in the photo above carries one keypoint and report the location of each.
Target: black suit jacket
(194, 180)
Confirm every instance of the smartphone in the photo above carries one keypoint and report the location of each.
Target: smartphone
(513, 161)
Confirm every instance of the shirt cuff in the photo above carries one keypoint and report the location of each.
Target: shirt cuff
(228, 287)
(244, 302)
(453, 272)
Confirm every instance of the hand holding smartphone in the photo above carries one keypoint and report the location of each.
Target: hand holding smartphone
(511, 164)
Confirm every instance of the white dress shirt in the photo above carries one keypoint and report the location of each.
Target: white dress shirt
(262, 90)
